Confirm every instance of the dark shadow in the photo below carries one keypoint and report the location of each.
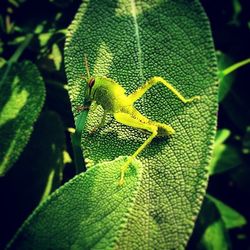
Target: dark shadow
(208, 215)
(22, 188)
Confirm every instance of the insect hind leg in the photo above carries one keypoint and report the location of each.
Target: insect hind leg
(157, 80)
(128, 120)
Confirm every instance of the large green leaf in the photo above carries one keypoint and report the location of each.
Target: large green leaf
(131, 41)
(82, 214)
(22, 96)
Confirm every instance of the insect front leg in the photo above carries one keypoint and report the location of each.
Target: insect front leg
(153, 81)
(82, 108)
(86, 106)
(128, 120)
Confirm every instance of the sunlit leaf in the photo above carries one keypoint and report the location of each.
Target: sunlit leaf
(88, 212)
(131, 41)
(22, 96)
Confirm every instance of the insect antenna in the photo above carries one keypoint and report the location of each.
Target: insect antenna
(86, 65)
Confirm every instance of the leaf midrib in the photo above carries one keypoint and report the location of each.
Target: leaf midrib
(137, 35)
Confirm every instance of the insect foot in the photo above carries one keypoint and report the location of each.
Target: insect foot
(93, 131)
(192, 99)
(124, 169)
(82, 108)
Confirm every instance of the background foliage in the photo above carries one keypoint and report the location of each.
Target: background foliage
(219, 226)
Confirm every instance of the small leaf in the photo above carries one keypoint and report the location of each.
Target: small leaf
(221, 136)
(56, 56)
(237, 9)
(130, 42)
(246, 141)
(89, 212)
(23, 94)
(215, 237)
(227, 73)
(210, 232)
(226, 82)
(224, 156)
(230, 217)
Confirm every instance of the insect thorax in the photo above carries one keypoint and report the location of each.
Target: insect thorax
(109, 94)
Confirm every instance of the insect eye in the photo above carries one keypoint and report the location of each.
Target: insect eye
(91, 82)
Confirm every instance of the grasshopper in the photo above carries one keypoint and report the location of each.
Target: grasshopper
(113, 99)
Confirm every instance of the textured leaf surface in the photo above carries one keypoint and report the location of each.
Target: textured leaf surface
(86, 213)
(131, 41)
(22, 96)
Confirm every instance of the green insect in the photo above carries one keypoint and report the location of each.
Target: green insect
(113, 99)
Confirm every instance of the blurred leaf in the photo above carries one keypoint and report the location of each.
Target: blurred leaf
(236, 102)
(86, 213)
(23, 94)
(226, 82)
(230, 217)
(66, 157)
(224, 156)
(2, 62)
(34, 176)
(237, 109)
(215, 237)
(56, 56)
(44, 38)
(16, 3)
(221, 136)
(1, 45)
(131, 41)
(226, 72)
(246, 141)
(17, 40)
(52, 36)
(237, 11)
(210, 232)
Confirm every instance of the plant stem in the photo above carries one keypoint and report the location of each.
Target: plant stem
(235, 66)
(76, 142)
(14, 58)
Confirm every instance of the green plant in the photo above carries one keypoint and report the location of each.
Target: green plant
(158, 205)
